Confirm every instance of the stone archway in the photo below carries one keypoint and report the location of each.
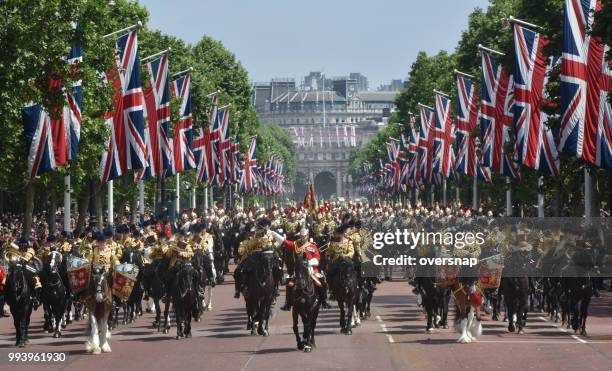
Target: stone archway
(325, 185)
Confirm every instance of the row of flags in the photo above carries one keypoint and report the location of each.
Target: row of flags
(513, 126)
(159, 150)
(345, 136)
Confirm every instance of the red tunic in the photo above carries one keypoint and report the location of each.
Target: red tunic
(312, 252)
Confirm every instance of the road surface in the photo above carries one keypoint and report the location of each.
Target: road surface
(393, 339)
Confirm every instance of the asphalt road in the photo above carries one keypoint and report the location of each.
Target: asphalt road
(393, 339)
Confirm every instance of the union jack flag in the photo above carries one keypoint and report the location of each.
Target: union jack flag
(157, 110)
(247, 182)
(403, 159)
(426, 136)
(467, 119)
(496, 116)
(183, 130)
(535, 143)
(51, 142)
(393, 149)
(126, 145)
(586, 125)
(224, 146)
(444, 137)
(413, 154)
(200, 153)
(213, 139)
(235, 157)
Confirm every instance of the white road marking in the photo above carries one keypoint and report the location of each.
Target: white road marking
(383, 327)
(390, 338)
(378, 319)
(564, 331)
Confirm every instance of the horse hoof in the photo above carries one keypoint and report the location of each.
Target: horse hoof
(429, 331)
(265, 333)
(300, 346)
(511, 328)
(349, 332)
(96, 350)
(307, 349)
(165, 331)
(178, 337)
(445, 326)
(583, 332)
(22, 344)
(464, 340)
(209, 308)
(56, 335)
(188, 335)
(106, 348)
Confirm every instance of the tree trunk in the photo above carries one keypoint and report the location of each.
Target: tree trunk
(29, 207)
(134, 209)
(52, 220)
(98, 188)
(82, 206)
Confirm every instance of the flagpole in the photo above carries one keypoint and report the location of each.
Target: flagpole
(432, 192)
(177, 195)
(587, 194)
(540, 198)
(67, 210)
(193, 197)
(444, 192)
(110, 217)
(475, 193)
(212, 198)
(457, 194)
(508, 197)
(141, 200)
(206, 199)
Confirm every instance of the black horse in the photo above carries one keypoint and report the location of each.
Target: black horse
(515, 288)
(155, 287)
(305, 305)
(132, 308)
(260, 288)
(184, 297)
(344, 288)
(18, 297)
(54, 294)
(435, 300)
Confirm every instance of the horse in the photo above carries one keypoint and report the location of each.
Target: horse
(183, 291)
(578, 289)
(155, 287)
(98, 300)
(205, 281)
(18, 297)
(260, 289)
(515, 289)
(54, 294)
(468, 300)
(435, 301)
(367, 286)
(344, 288)
(132, 308)
(305, 305)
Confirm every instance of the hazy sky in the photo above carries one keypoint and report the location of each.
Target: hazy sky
(289, 38)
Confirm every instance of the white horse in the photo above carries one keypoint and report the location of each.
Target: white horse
(98, 300)
(468, 306)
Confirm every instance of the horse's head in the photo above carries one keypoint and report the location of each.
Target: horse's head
(185, 278)
(55, 260)
(347, 270)
(303, 282)
(99, 283)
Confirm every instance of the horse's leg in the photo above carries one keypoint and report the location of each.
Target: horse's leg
(209, 306)
(17, 325)
(104, 335)
(511, 314)
(584, 312)
(463, 325)
(313, 325)
(296, 329)
(167, 314)
(522, 316)
(307, 331)
(157, 307)
(350, 306)
(93, 345)
(342, 319)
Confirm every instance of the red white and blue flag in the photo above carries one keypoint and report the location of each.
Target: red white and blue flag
(496, 116)
(157, 110)
(247, 183)
(413, 154)
(426, 134)
(200, 153)
(183, 130)
(54, 142)
(467, 119)
(126, 145)
(535, 144)
(224, 147)
(586, 124)
(444, 138)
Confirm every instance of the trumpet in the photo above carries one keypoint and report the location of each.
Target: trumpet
(12, 256)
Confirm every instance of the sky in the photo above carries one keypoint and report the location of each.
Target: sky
(290, 38)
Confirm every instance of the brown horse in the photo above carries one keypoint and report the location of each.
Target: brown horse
(98, 299)
(468, 300)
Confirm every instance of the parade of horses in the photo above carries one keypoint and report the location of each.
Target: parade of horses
(163, 207)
